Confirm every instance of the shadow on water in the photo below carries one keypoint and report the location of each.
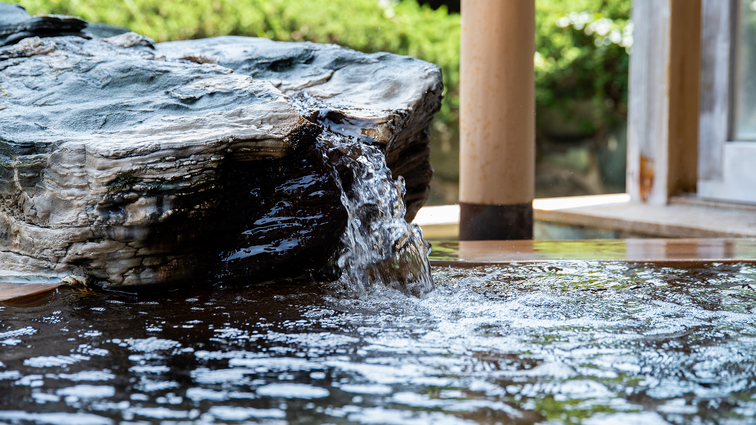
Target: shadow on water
(573, 342)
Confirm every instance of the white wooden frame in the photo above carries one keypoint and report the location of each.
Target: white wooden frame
(726, 168)
(662, 135)
(648, 103)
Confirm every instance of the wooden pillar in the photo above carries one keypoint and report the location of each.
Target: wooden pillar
(662, 151)
(497, 119)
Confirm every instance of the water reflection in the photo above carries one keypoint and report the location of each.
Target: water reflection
(566, 343)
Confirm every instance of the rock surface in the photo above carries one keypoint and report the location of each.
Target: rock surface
(132, 165)
(378, 98)
(16, 24)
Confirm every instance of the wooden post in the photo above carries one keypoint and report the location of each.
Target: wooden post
(662, 151)
(497, 120)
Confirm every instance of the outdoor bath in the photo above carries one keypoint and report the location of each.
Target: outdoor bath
(244, 255)
(550, 342)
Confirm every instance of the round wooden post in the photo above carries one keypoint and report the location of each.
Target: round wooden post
(497, 120)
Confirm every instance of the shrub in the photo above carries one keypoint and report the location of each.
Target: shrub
(582, 53)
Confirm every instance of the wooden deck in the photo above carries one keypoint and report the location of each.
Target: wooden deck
(472, 253)
(682, 218)
(16, 290)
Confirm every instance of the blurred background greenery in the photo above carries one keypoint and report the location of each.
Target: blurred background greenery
(581, 65)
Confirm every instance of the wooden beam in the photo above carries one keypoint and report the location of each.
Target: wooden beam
(663, 104)
(684, 86)
(671, 252)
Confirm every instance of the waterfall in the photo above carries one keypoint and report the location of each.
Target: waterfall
(379, 246)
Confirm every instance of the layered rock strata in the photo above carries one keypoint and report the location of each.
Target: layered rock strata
(131, 165)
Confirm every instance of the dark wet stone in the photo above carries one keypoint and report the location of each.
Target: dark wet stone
(288, 224)
(112, 159)
(378, 98)
(16, 24)
(131, 165)
(105, 31)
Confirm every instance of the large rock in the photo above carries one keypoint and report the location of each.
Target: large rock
(136, 166)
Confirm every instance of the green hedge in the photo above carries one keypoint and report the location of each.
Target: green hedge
(582, 53)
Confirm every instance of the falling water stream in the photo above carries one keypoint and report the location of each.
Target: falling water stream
(381, 248)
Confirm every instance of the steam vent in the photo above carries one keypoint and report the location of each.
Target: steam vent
(131, 163)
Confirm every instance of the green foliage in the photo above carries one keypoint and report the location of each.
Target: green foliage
(582, 54)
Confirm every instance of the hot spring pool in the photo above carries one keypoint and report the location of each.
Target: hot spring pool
(570, 342)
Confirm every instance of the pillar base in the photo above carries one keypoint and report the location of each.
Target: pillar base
(479, 222)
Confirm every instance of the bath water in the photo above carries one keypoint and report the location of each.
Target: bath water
(581, 342)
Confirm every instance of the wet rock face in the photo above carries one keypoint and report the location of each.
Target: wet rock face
(16, 24)
(377, 98)
(134, 164)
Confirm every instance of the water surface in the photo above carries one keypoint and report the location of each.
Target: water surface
(570, 342)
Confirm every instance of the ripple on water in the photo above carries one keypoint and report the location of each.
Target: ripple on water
(566, 343)
(303, 391)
